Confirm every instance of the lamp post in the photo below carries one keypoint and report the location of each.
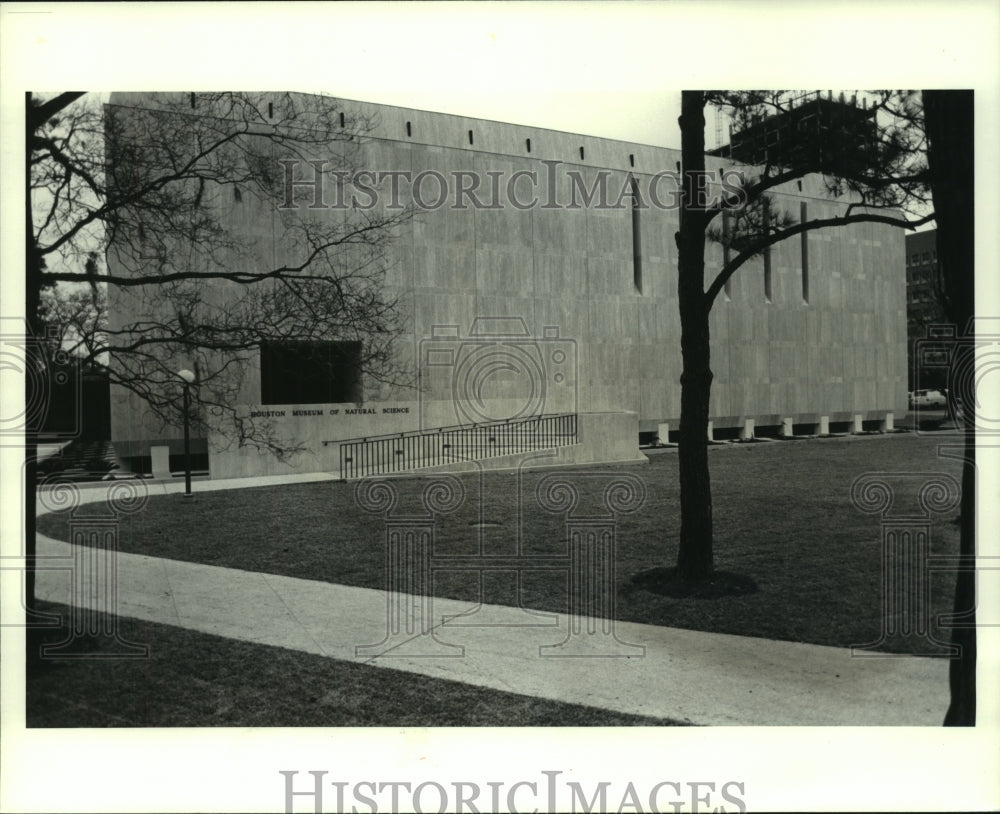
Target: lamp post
(188, 378)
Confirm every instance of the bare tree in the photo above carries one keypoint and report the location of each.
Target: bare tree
(151, 205)
(155, 188)
(883, 166)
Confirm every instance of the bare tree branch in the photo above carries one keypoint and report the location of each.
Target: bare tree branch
(139, 198)
(757, 246)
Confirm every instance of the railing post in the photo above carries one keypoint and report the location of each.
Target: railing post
(403, 451)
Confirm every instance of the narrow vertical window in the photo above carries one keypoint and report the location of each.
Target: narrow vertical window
(409, 130)
(767, 250)
(805, 254)
(527, 143)
(636, 236)
(726, 227)
(470, 137)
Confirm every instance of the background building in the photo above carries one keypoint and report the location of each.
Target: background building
(580, 300)
(923, 303)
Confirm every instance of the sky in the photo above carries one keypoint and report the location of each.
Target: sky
(603, 69)
(612, 70)
(573, 67)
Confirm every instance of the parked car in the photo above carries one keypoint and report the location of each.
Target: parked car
(928, 398)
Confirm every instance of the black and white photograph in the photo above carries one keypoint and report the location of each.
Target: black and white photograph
(472, 407)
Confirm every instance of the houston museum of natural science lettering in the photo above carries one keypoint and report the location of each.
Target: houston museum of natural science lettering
(536, 286)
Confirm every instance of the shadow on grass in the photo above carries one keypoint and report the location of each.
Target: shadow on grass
(665, 582)
(193, 679)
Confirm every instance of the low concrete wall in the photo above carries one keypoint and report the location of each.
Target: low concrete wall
(246, 463)
(601, 438)
(605, 438)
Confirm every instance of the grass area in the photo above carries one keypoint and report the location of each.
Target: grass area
(803, 563)
(194, 679)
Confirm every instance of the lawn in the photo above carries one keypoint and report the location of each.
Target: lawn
(798, 561)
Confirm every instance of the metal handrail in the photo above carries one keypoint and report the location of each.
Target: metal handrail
(500, 422)
(399, 452)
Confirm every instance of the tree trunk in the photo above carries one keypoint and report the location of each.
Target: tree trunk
(694, 557)
(949, 118)
(34, 355)
(962, 669)
(33, 276)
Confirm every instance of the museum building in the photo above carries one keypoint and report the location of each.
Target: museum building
(537, 284)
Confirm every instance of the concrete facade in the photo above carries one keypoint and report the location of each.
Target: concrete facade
(586, 297)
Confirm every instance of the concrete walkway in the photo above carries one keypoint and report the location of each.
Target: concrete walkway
(703, 678)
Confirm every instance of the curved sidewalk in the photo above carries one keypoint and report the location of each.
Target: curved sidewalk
(703, 678)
